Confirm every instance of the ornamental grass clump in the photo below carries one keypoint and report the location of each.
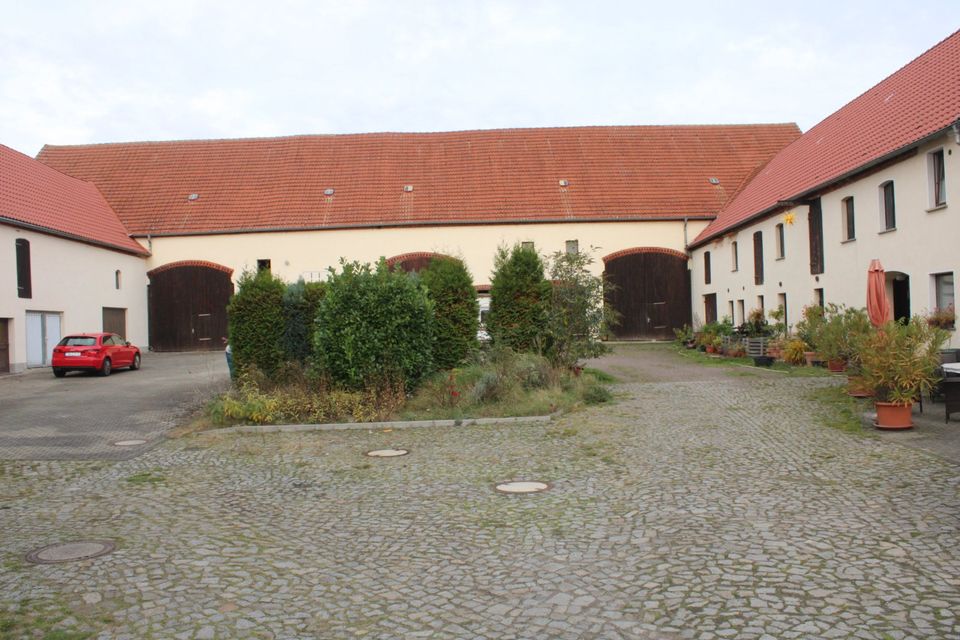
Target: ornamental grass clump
(899, 360)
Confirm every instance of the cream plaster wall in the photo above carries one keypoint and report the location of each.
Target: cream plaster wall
(924, 243)
(73, 279)
(310, 253)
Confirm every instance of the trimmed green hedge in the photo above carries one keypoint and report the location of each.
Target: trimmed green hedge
(256, 322)
(374, 324)
(519, 295)
(455, 309)
(300, 303)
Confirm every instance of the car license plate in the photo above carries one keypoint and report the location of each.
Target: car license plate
(72, 354)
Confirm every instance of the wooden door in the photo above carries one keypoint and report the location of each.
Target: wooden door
(115, 321)
(4, 346)
(901, 297)
(650, 290)
(188, 307)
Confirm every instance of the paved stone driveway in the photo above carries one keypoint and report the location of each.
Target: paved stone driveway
(79, 417)
(713, 508)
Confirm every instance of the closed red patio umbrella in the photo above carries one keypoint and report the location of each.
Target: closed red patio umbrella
(878, 308)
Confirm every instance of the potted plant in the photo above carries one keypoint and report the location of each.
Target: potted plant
(807, 330)
(943, 318)
(839, 334)
(899, 363)
(793, 351)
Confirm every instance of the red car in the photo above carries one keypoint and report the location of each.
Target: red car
(101, 352)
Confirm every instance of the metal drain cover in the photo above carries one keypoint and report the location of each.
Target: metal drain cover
(71, 551)
(387, 453)
(522, 486)
(129, 443)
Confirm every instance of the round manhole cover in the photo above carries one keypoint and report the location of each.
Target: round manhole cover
(522, 486)
(129, 443)
(387, 453)
(71, 551)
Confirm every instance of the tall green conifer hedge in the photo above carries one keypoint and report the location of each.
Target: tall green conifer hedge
(456, 310)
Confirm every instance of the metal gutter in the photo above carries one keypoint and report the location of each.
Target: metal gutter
(391, 225)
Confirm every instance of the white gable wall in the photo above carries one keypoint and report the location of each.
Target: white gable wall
(73, 280)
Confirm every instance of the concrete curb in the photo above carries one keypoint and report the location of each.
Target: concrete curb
(413, 424)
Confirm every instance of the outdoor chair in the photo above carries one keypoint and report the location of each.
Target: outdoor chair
(951, 396)
(947, 356)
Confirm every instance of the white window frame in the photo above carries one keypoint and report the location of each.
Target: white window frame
(941, 301)
(735, 256)
(884, 226)
(932, 178)
(848, 210)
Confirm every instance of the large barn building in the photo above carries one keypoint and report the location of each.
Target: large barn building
(207, 210)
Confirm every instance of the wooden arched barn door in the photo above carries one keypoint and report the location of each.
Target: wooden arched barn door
(650, 289)
(413, 261)
(188, 306)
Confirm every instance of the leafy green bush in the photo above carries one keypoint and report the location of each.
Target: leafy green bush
(455, 310)
(810, 325)
(256, 322)
(576, 314)
(374, 324)
(300, 303)
(519, 295)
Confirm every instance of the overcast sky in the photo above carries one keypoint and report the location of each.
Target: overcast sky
(82, 72)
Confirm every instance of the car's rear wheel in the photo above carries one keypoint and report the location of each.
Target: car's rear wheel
(106, 368)
(59, 373)
(136, 362)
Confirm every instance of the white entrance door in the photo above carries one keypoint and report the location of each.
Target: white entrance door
(43, 334)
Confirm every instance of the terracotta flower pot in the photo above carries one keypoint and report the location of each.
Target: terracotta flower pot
(836, 366)
(811, 357)
(891, 415)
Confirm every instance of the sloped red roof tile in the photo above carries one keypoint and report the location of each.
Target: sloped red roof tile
(512, 175)
(919, 100)
(36, 196)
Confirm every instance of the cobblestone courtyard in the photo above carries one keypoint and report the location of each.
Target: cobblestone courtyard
(713, 507)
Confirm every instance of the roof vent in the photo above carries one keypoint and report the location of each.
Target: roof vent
(193, 196)
(564, 183)
(714, 180)
(408, 188)
(328, 191)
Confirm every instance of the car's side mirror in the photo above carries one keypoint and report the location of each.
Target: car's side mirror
(127, 343)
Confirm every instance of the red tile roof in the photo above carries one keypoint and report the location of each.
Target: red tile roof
(919, 100)
(35, 196)
(513, 175)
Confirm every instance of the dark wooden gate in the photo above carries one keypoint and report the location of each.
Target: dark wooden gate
(410, 262)
(4, 346)
(188, 306)
(650, 290)
(115, 321)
